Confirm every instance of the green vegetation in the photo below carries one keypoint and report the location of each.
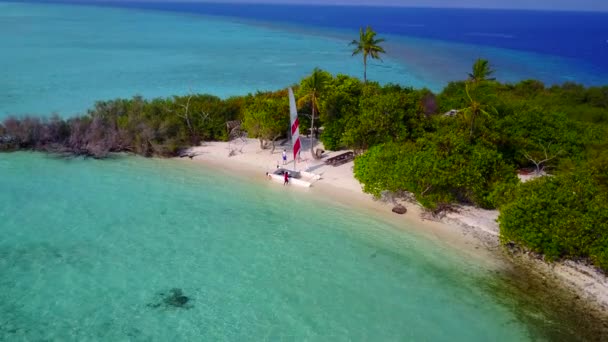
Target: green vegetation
(266, 117)
(369, 46)
(561, 216)
(158, 127)
(461, 146)
(439, 169)
(312, 87)
(481, 71)
(470, 155)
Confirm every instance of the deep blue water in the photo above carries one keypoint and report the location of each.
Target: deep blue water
(578, 35)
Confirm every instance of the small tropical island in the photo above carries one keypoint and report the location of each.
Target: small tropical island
(470, 144)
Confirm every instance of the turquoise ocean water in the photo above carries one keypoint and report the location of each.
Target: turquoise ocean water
(89, 250)
(62, 58)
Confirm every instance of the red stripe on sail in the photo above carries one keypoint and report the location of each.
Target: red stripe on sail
(296, 148)
(294, 126)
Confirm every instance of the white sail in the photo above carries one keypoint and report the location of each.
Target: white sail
(295, 127)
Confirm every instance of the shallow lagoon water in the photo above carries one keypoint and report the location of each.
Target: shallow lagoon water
(87, 247)
(64, 58)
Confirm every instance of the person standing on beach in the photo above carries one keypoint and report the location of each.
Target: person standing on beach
(284, 156)
(286, 175)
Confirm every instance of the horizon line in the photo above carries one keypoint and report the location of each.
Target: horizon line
(320, 4)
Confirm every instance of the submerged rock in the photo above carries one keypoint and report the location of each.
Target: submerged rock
(399, 209)
(174, 298)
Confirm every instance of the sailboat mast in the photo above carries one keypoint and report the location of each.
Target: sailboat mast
(295, 129)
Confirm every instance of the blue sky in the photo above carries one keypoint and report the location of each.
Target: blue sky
(580, 5)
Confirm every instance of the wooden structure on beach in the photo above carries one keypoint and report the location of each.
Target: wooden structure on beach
(340, 159)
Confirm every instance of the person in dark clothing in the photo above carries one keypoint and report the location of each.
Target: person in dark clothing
(286, 175)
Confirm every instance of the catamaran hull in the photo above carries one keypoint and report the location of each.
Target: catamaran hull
(292, 181)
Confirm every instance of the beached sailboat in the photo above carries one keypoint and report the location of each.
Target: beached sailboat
(299, 178)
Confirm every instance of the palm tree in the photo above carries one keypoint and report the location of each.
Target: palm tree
(367, 45)
(477, 83)
(311, 88)
(474, 109)
(481, 71)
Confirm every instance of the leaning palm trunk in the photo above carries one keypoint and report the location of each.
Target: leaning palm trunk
(312, 87)
(364, 68)
(473, 117)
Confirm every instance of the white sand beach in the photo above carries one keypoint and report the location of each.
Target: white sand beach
(336, 184)
(471, 230)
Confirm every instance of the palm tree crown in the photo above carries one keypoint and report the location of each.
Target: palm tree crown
(368, 45)
(481, 71)
(311, 88)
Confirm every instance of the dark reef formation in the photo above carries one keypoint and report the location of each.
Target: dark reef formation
(172, 299)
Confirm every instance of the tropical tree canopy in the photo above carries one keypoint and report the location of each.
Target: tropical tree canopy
(367, 45)
(266, 117)
(476, 106)
(311, 88)
(481, 71)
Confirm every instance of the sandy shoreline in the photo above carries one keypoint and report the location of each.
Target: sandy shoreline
(472, 231)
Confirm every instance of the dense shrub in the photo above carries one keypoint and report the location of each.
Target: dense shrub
(158, 127)
(266, 117)
(438, 169)
(561, 217)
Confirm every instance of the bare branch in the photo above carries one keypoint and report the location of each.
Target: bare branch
(186, 115)
(204, 116)
(541, 163)
(426, 190)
